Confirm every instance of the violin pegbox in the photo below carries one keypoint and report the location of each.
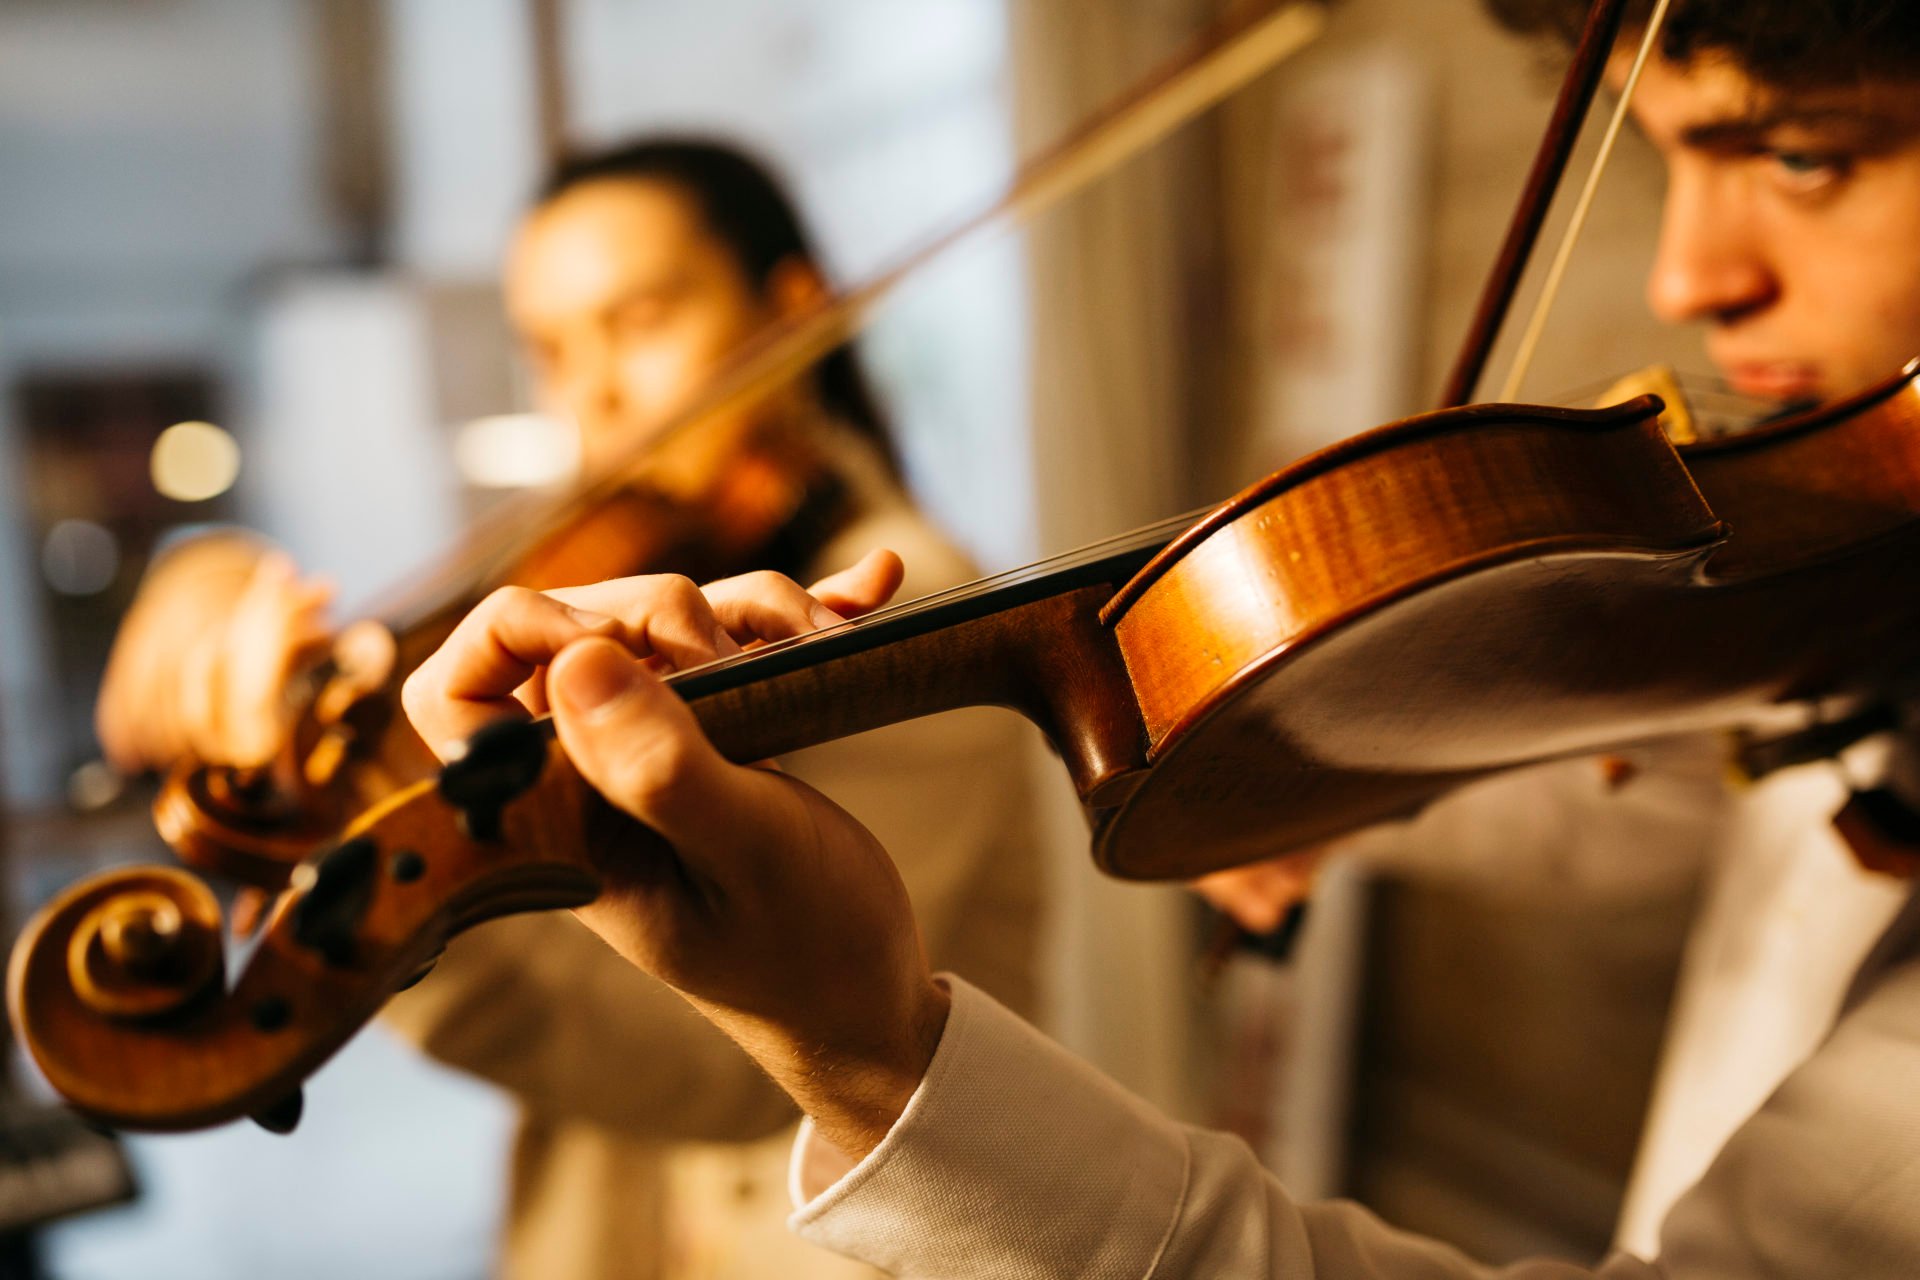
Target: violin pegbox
(118, 988)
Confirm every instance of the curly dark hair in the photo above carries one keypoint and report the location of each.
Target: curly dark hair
(1784, 43)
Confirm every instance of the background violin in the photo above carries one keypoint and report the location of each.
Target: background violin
(767, 505)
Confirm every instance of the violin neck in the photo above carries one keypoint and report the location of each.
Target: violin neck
(1031, 642)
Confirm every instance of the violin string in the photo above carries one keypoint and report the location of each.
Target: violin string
(1537, 322)
(1158, 533)
(1718, 410)
(1701, 389)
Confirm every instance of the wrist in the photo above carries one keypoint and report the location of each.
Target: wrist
(856, 1093)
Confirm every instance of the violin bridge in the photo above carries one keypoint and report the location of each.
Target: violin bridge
(1676, 419)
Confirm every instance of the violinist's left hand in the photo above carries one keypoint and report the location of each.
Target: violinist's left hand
(202, 661)
(1258, 896)
(766, 905)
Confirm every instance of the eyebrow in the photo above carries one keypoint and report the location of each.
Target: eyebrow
(658, 286)
(1869, 130)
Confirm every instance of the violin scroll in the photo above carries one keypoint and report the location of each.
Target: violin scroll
(141, 944)
(240, 823)
(255, 825)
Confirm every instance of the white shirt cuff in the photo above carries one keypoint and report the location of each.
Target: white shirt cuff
(1011, 1155)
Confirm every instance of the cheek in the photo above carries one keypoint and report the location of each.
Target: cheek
(663, 370)
(660, 372)
(1887, 249)
(1858, 286)
(1876, 304)
(1891, 282)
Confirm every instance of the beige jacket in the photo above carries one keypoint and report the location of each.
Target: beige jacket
(650, 1145)
(1015, 1159)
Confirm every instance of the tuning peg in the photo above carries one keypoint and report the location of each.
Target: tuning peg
(499, 763)
(335, 890)
(283, 1117)
(1883, 831)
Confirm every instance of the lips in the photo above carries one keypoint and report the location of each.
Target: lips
(1783, 380)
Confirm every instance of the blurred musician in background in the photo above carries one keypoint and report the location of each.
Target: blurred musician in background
(946, 1138)
(649, 1145)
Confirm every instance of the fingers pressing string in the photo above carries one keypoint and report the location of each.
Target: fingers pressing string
(865, 586)
(661, 615)
(472, 679)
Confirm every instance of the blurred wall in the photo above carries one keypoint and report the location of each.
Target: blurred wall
(152, 159)
(465, 153)
(891, 122)
(1491, 95)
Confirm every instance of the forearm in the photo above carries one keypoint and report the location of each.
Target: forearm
(972, 877)
(949, 797)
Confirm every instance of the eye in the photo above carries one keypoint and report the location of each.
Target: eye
(1802, 162)
(642, 313)
(1808, 172)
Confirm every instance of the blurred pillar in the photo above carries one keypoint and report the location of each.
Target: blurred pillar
(350, 42)
(465, 136)
(1121, 297)
(1120, 274)
(547, 21)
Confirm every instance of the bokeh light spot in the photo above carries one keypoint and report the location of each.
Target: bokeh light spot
(80, 558)
(194, 461)
(515, 450)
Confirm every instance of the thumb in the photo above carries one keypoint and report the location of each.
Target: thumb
(638, 744)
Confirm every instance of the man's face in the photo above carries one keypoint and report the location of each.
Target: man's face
(628, 306)
(1791, 227)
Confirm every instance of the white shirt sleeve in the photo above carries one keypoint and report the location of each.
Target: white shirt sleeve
(1013, 1158)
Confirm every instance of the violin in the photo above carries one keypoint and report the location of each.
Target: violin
(1456, 594)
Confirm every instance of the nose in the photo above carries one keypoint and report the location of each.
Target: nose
(586, 383)
(1710, 264)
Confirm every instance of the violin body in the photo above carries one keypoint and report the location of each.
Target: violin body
(1483, 588)
(748, 513)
